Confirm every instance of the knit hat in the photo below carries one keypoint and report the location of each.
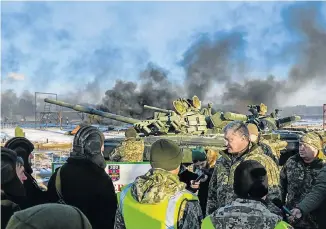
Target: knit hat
(51, 216)
(165, 154)
(253, 129)
(10, 182)
(198, 154)
(312, 139)
(131, 133)
(250, 180)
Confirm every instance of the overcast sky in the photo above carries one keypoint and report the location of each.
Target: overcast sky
(63, 46)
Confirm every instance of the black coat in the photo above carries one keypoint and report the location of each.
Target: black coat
(186, 177)
(34, 194)
(203, 190)
(89, 188)
(8, 208)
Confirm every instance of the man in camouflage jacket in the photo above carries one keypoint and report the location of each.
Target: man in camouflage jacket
(299, 175)
(315, 201)
(129, 150)
(239, 148)
(249, 210)
(162, 182)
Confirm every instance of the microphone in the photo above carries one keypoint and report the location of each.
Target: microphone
(278, 203)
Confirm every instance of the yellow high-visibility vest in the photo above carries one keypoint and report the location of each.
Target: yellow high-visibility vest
(163, 215)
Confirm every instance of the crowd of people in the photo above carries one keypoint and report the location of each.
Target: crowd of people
(243, 188)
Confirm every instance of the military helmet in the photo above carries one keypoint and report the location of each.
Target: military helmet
(88, 141)
(23, 148)
(16, 142)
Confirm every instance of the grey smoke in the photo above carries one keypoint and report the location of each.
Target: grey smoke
(306, 23)
(209, 61)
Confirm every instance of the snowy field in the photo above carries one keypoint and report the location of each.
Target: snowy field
(50, 135)
(35, 135)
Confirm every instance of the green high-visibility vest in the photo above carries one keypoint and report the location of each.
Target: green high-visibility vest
(282, 225)
(163, 215)
(207, 224)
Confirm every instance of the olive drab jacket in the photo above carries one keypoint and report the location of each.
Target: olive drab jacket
(220, 191)
(297, 180)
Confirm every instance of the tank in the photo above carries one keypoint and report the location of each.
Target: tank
(190, 126)
(269, 122)
(187, 126)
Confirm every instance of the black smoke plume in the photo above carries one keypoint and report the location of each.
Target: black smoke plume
(12, 104)
(210, 61)
(306, 23)
(129, 98)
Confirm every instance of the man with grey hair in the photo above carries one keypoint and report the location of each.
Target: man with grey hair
(239, 148)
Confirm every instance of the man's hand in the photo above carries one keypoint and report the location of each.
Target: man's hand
(296, 214)
(194, 185)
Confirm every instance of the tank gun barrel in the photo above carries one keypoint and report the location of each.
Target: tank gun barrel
(287, 120)
(93, 111)
(159, 109)
(235, 116)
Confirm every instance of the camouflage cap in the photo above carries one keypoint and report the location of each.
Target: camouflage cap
(312, 139)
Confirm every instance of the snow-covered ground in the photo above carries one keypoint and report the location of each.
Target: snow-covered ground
(34, 135)
(50, 135)
(307, 122)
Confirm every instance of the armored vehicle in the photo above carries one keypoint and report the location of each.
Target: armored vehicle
(189, 125)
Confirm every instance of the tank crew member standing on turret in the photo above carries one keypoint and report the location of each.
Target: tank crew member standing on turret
(239, 148)
(299, 174)
(83, 183)
(158, 199)
(130, 150)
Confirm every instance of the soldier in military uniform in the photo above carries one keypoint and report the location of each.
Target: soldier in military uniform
(130, 150)
(256, 138)
(249, 210)
(159, 199)
(239, 148)
(299, 174)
